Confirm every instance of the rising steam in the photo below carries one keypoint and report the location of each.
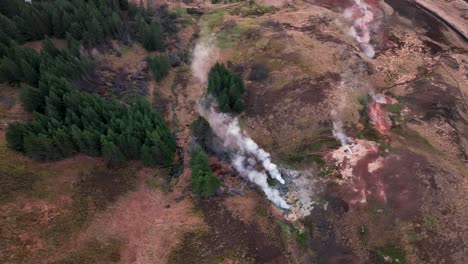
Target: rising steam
(205, 56)
(247, 154)
(339, 133)
(362, 16)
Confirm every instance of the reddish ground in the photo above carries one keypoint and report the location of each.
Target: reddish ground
(379, 117)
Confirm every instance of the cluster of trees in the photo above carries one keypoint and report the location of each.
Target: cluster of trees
(24, 65)
(228, 88)
(90, 21)
(73, 122)
(159, 66)
(204, 183)
(67, 121)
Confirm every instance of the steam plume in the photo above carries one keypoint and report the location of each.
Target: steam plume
(259, 178)
(340, 135)
(247, 152)
(362, 15)
(205, 56)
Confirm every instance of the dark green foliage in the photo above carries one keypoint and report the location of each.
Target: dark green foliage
(204, 183)
(21, 64)
(159, 66)
(202, 133)
(15, 136)
(68, 121)
(78, 122)
(152, 37)
(91, 21)
(227, 88)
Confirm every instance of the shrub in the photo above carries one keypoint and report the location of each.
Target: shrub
(159, 66)
(202, 132)
(204, 183)
(227, 88)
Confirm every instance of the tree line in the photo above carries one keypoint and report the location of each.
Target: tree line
(228, 88)
(89, 21)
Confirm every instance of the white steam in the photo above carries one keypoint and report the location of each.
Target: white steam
(362, 16)
(247, 153)
(339, 134)
(378, 98)
(247, 170)
(205, 56)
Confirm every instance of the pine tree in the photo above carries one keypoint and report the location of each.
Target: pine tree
(111, 152)
(64, 143)
(9, 71)
(15, 136)
(204, 183)
(29, 73)
(203, 133)
(32, 99)
(159, 66)
(40, 147)
(227, 88)
(152, 37)
(9, 28)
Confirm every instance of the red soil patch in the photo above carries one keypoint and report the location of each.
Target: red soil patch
(379, 117)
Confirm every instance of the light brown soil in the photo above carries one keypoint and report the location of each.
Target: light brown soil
(149, 221)
(37, 44)
(452, 11)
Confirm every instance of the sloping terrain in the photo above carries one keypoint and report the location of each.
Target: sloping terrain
(373, 149)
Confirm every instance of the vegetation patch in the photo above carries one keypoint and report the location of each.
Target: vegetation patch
(253, 9)
(94, 191)
(228, 88)
(17, 177)
(215, 19)
(202, 133)
(387, 254)
(91, 22)
(395, 108)
(159, 66)
(94, 251)
(204, 183)
(290, 230)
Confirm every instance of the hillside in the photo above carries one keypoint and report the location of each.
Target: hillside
(269, 131)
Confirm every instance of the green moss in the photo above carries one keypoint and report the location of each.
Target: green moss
(152, 184)
(289, 230)
(394, 108)
(387, 254)
(184, 17)
(215, 19)
(253, 9)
